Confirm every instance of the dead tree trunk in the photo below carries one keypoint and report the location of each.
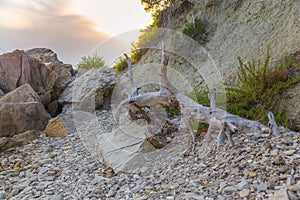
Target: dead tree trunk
(226, 123)
(226, 130)
(134, 90)
(163, 97)
(136, 102)
(213, 98)
(273, 125)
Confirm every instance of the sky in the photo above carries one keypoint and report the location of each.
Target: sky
(72, 28)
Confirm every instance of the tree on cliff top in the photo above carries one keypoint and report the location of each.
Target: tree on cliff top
(154, 5)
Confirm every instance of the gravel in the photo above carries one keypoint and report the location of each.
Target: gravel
(62, 168)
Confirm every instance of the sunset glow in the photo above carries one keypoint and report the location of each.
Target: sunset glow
(72, 28)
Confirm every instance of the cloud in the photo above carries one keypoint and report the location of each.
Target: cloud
(48, 23)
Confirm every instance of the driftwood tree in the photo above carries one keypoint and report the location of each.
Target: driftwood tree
(216, 118)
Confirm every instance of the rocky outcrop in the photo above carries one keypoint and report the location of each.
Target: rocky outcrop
(39, 67)
(18, 68)
(44, 55)
(179, 11)
(65, 73)
(233, 28)
(89, 91)
(292, 106)
(246, 29)
(21, 110)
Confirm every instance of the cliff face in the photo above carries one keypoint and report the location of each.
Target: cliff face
(244, 28)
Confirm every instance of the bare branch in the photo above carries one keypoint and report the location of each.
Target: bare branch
(273, 125)
(150, 99)
(212, 98)
(225, 123)
(134, 91)
(194, 20)
(164, 80)
(145, 100)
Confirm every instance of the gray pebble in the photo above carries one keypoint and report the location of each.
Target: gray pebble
(243, 185)
(262, 187)
(230, 189)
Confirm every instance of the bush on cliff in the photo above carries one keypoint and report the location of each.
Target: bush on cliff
(91, 62)
(195, 30)
(258, 90)
(138, 49)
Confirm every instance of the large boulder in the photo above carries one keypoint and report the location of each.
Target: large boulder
(39, 67)
(89, 91)
(18, 68)
(65, 73)
(43, 54)
(126, 147)
(21, 110)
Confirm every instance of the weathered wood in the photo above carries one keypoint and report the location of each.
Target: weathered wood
(136, 102)
(164, 79)
(273, 125)
(134, 90)
(218, 119)
(226, 133)
(213, 98)
(163, 97)
(226, 129)
(194, 20)
(134, 110)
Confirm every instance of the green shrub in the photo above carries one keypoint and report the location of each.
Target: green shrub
(91, 62)
(147, 36)
(156, 5)
(200, 95)
(195, 30)
(121, 65)
(258, 90)
(138, 49)
(172, 110)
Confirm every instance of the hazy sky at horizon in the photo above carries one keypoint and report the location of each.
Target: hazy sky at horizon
(72, 28)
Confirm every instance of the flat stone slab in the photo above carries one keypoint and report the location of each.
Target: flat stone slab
(126, 147)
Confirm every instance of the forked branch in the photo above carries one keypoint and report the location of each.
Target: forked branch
(218, 119)
(134, 90)
(164, 79)
(273, 125)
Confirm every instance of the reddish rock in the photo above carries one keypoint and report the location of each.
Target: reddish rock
(39, 67)
(65, 72)
(17, 68)
(20, 111)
